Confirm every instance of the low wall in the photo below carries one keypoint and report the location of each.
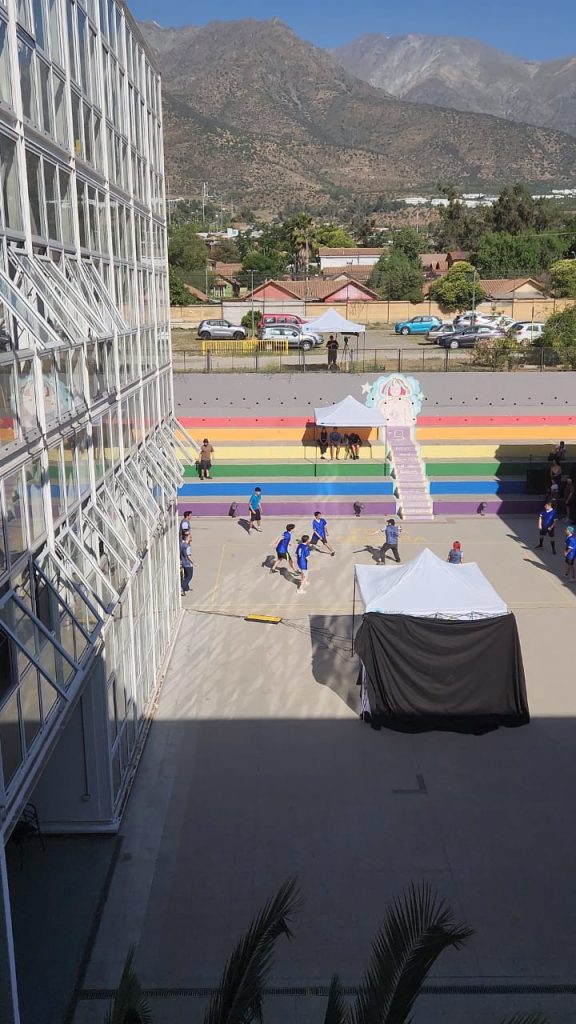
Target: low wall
(368, 313)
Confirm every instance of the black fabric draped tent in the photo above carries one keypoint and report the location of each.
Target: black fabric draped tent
(430, 660)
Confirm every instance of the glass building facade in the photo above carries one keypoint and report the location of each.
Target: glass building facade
(90, 462)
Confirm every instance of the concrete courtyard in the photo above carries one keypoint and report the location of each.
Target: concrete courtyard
(257, 768)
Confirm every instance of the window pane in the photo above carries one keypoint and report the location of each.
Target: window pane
(30, 704)
(34, 192)
(70, 470)
(10, 743)
(83, 463)
(45, 96)
(34, 489)
(5, 83)
(60, 109)
(27, 401)
(38, 17)
(25, 63)
(66, 207)
(9, 181)
(52, 205)
(56, 482)
(54, 30)
(14, 515)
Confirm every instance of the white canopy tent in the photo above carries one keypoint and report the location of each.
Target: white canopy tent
(429, 587)
(348, 413)
(332, 322)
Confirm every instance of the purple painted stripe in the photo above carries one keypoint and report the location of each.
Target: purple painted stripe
(512, 506)
(288, 508)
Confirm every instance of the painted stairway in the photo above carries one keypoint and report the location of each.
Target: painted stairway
(412, 485)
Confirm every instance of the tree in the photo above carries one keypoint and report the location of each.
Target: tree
(301, 238)
(179, 295)
(251, 320)
(396, 277)
(516, 211)
(129, 1006)
(225, 251)
(334, 236)
(563, 279)
(500, 254)
(459, 227)
(260, 266)
(417, 929)
(186, 250)
(459, 289)
(560, 335)
(409, 242)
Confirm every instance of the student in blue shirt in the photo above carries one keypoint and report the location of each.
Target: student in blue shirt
(570, 553)
(302, 556)
(546, 525)
(255, 509)
(455, 555)
(283, 548)
(320, 533)
(392, 533)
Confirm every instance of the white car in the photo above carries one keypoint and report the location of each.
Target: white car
(526, 330)
(471, 319)
(296, 338)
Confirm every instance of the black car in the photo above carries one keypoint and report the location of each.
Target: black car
(468, 336)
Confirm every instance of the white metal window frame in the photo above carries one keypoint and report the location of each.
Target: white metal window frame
(138, 493)
(89, 271)
(61, 559)
(68, 534)
(157, 470)
(69, 287)
(101, 522)
(34, 269)
(120, 525)
(172, 426)
(168, 454)
(28, 317)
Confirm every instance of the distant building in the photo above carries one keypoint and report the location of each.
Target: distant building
(509, 288)
(315, 289)
(352, 257)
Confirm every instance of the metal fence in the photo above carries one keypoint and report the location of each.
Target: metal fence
(428, 358)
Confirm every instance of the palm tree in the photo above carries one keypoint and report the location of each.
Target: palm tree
(129, 1006)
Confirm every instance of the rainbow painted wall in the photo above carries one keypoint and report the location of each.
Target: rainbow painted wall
(468, 460)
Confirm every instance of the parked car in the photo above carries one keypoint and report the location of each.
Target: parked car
(526, 330)
(439, 332)
(208, 329)
(468, 336)
(296, 338)
(279, 319)
(472, 319)
(417, 325)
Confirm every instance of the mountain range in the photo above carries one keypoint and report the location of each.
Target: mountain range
(464, 74)
(269, 119)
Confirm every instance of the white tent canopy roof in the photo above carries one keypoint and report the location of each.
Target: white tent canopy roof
(348, 413)
(427, 586)
(333, 322)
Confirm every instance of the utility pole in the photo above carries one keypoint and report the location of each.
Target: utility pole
(252, 298)
(474, 297)
(204, 198)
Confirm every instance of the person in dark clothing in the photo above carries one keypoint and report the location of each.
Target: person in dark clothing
(186, 566)
(323, 442)
(332, 347)
(206, 453)
(392, 533)
(546, 525)
(335, 442)
(354, 442)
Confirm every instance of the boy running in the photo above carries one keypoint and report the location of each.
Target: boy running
(255, 509)
(302, 555)
(320, 533)
(282, 549)
(570, 553)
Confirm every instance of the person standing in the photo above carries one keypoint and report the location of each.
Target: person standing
(323, 442)
(332, 347)
(547, 524)
(320, 533)
(335, 442)
(455, 555)
(392, 533)
(302, 556)
(185, 526)
(570, 553)
(206, 453)
(186, 566)
(255, 510)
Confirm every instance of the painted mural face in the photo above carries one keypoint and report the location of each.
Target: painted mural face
(398, 398)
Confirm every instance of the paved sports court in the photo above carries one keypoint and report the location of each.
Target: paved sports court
(257, 768)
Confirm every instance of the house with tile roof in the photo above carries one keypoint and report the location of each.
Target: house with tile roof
(315, 289)
(508, 288)
(355, 256)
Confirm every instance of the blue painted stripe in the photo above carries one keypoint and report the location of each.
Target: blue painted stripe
(239, 489)
(477, 487)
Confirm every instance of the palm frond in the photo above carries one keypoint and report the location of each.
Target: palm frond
(239, 996)
(337, 1010)
(418, 928)
(526, 1018)
(129, 1006)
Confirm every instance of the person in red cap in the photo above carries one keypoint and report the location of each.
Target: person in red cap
(455, 555)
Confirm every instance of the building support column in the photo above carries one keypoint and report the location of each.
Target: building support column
(9, 1013)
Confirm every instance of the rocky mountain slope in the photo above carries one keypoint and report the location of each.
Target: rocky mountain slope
(464, 74)
(264, 116)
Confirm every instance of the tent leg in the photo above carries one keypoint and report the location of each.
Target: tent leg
(353, 615)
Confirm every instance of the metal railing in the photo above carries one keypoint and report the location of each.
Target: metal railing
(428, 358)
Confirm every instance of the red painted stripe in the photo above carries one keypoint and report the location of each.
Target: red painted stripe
(496, 421)
(194, 423)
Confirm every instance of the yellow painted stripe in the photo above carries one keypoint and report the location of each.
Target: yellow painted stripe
(276, 452)
(260, 435)
(487, 433)
(479, 451)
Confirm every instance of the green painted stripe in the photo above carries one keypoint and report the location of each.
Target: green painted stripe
(480, 469)
(221, 470)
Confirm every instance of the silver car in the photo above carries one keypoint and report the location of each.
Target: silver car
(208, 329)
(296, 338)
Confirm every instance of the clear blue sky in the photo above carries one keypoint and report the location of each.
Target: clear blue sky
(530, 29)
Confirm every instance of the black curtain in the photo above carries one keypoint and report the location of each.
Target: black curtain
(437, 674)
